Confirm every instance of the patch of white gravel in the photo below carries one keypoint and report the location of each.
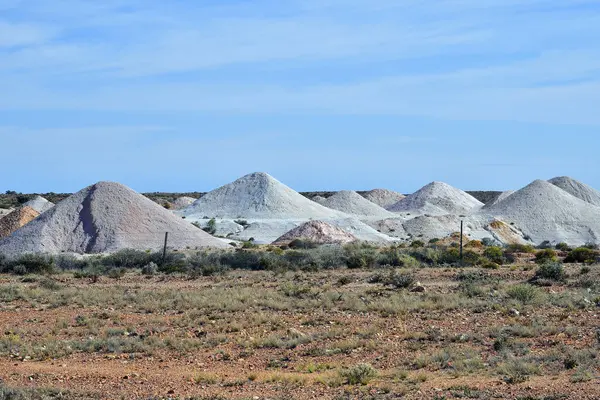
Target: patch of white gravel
(258, 196)
(383, 197)
(544, 211)
(39, 204)
(578, 189)
(104, 218)
(354, 204)
(438, 198)
(318, 232)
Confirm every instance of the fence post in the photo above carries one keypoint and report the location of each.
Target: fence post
(164, 256)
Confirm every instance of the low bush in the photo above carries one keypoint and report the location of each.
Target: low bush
(520, 248)
(562, 246)
(360, 374)
(545, 256)
(302, 244)
(581, 255)
(551, 270)
(523, 292)
(494, 254)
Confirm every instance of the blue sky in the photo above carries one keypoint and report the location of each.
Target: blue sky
(322, 94)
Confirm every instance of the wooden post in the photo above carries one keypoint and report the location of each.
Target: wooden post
(461, 244)
(164, 257)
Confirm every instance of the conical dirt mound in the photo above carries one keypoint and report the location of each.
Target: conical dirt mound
(317, 232)
(545, 212)
(39, 204)
(438, 198)
(383, 197)
(577, 189)
(353, 203)
(17, 219)
(257, 196)
(105, 217)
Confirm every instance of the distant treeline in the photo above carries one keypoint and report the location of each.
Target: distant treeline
(12, 199)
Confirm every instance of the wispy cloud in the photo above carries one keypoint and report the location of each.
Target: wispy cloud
(456, 59)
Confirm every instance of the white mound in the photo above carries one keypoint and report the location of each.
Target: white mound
(438, 198)
(39, 204)
(182, 202)
(257, 196)
(577, 189)
(103, 218)
(498, 199)
(383, 197)
(545, 212)
(353, 203)
(318, 232)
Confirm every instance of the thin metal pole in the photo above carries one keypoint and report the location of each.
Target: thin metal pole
(164, 257)
(461, 243)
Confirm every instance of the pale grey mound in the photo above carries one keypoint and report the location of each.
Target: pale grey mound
(577, 189)
(39, 204)
(353, 203)
(319, 199)
(182, 202)
(543, 212)
(498, 199)
(438, 198)
(427, 227)
(390, 226)
(383, 197)
(258, 196)
(318, 232)
(104, 218)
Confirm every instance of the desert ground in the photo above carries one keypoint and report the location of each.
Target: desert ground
(415, 332)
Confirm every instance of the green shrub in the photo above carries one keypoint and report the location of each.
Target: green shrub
(520, 248)
(545, 256)
(150, 269)
(417, 243)
(360, 374)
(303, 244)
(562, 246)
(523, 293)
(395, 257)
(360, 256)
(211, 227)
(581, 255)
(494, 254)
(32, 264)
(128, 258)
(397, 279)
(552, 270)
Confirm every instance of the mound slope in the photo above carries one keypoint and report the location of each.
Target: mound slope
(353, 203)
(498, 199)
(438, 198)
(39, 204)
(105, 217)
(577, 189)
(545, 212)
(319, 232)
(17, 219)
(257, 196)
(383, 197)
(182, 202)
